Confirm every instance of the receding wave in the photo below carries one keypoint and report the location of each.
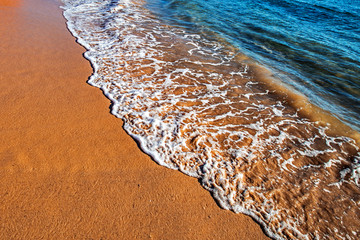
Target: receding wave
(199, 106)
(310, 44)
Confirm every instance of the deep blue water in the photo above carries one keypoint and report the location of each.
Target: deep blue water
(312, 45)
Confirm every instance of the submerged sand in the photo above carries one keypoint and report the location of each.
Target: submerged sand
(67, 169)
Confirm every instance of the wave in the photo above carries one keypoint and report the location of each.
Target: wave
(199, 106)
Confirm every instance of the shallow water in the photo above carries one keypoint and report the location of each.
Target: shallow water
(195, 103)
(313, 46)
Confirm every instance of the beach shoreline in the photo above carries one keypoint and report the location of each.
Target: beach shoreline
(67, 169)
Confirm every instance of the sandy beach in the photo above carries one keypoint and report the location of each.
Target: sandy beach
(67, 168)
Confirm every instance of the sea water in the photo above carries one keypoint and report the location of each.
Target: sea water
(313, 46)
(250, 97)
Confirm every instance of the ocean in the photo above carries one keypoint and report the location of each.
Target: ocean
(313, 46)
(259, 100)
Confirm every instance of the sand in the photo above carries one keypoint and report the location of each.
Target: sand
(67, 168)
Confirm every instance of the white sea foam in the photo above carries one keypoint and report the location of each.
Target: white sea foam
(193, 107)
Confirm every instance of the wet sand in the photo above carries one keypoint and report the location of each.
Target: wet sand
(67, 168)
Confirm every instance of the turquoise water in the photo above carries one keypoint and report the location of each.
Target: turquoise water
(314, 46)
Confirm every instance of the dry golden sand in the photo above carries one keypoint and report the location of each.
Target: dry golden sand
(67, 168)
(9, 3)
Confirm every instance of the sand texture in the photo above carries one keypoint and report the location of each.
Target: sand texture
(67, 168)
